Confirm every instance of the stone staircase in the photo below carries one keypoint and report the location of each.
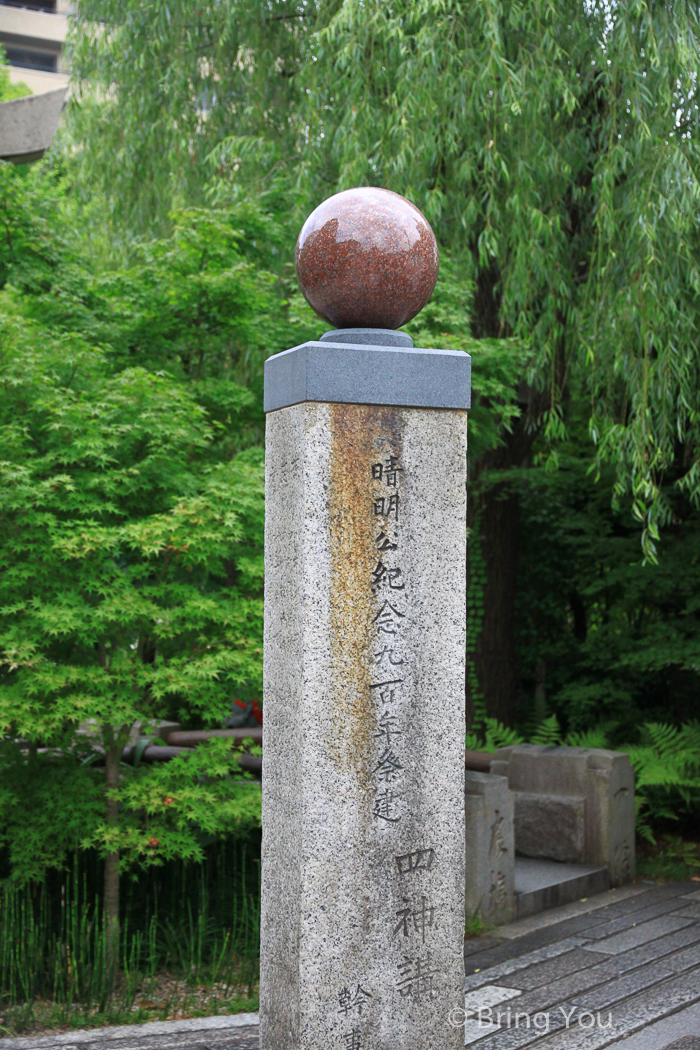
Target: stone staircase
(542, 884)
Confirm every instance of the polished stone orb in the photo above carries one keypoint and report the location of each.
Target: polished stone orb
(367, 258)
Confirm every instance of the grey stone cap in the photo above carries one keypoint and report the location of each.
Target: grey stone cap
(357, 374)
(481, 783)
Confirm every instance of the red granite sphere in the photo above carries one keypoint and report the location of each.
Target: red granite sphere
(367, 258)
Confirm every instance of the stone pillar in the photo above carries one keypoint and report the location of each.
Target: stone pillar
(490, 848)
(610, 835)
(363, 775)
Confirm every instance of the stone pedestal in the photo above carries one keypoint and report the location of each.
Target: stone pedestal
(363, 778)
(490, 848)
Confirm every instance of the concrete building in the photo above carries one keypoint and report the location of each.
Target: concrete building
(33, 33)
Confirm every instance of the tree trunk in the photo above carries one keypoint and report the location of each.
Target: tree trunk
(111, 872)
(494, 654)
(496, 506)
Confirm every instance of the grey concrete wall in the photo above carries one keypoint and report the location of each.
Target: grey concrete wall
(28, 125)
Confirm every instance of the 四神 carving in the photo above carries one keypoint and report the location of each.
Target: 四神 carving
(419, 860)
(415, 920)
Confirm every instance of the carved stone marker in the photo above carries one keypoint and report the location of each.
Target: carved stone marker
(490, 848)
(363, 780)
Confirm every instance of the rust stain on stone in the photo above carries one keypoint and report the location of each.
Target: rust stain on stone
(360, 436)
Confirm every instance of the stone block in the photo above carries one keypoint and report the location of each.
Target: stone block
(604, 780)
(638, 935)
(490, 848)
(610, 815)
(551, 826)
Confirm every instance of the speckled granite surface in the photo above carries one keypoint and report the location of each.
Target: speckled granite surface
(363, 780)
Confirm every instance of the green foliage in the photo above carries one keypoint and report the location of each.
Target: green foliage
(671, 859)
(131, 511)
(598, 737)
(175, 807)
(667, 768)
(446, 322)
(547, 732)
(8, 90)
(540, 139)
(158, 86)
(495, 736)
(618, 638)
(28, 214)
(555, 149)
(122, 541)
(47, 803)
(685, 852)
(197, 303)
(476, 927)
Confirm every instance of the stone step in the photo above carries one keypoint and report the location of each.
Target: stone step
(542, 884)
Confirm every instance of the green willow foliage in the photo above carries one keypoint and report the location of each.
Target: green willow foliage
(160, 84)
(553, 146)
(555, 143)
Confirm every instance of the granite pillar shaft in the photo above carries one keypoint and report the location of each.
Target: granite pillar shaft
(363, 774)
